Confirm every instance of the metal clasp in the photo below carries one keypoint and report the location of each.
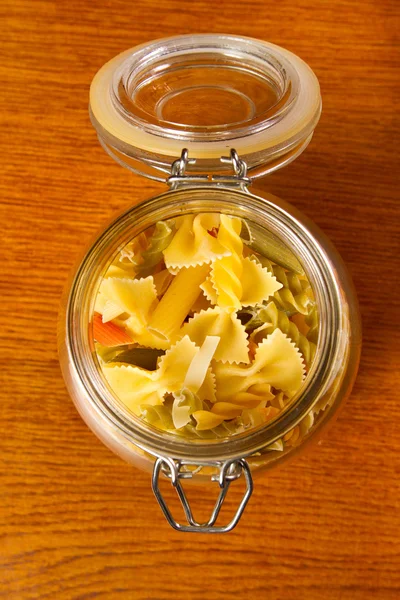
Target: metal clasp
(178, 172)
(239, 167)
(175, 471)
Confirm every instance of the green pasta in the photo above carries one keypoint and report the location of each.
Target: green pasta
(162, 416)
(162, 236)
(249, 317)
(278, 319)
(312, 321)
(159, 416)
(189, 399)
(108, 354)
(146, 358)
(296, 294)
(268, 245)
(225, 428)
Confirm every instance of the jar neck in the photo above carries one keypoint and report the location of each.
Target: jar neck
(276, 218)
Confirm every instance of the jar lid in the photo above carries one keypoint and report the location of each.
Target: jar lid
(206, 93)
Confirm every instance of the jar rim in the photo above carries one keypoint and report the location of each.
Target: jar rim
(318, 268)
(137, 132)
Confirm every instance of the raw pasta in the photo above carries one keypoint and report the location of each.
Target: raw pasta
(312, 321)
(272, 319)
(277, 362)
(214, 321)
(184, 405)
(132, 253)
(256, 284)
(177, 301)
(136, 297)
(192, 245)
(226, 274)
(296, 294)
(159, 241)
(201, 336)
(162, 280)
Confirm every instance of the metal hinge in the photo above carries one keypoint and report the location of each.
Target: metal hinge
(176, 470)
(179, 177)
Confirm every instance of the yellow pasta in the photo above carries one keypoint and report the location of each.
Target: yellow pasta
(162, 280)
(207, 420)
(277, 446)
(121, 270)
(137, 297)
(177, 302)
(227, 271)
(133, 386)
(209, 291)
(226, 410)
(258, 284)
(201, 303)
(277, 362)
(236, 281)
(306, 424)
(255, 395)
(254, 417)
(145, 337)
(280, 401)
(192, 244)
(291, 437)
(174, 366)
(205, 341)
(207, 390)
(100, 303)
(110, 311)
(198, 369)
(216, 322)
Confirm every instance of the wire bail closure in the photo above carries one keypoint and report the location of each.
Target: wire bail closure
(229, 471)
(178, 172)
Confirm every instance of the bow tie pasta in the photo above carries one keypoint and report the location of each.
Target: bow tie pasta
(205, 331)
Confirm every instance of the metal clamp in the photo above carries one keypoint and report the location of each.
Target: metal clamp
(239, 166)
(229, 471)
(178, 172)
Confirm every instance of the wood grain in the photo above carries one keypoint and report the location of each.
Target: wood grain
(75, 521)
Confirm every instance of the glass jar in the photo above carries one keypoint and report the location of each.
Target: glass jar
(172, 110)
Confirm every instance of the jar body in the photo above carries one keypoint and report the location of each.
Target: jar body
(327, 385)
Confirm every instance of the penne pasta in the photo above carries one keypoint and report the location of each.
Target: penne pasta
(177, 301)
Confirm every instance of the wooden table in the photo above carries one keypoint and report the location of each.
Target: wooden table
(75, 521)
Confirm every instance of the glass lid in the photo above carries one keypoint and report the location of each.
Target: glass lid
(206, 93)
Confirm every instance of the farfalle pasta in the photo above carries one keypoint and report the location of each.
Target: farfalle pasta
(233, 345)
(192, 245)
(202, 336)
